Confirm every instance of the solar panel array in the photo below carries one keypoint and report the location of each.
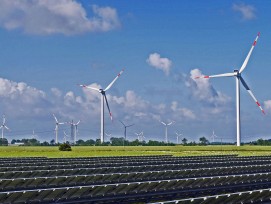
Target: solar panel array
(145, 179)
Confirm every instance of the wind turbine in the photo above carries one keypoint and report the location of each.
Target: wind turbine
(140, 136)
(213, 136)
(125, 126)
(108, 135)
(103, 98)
(3, 126)
(166, 125)
(238, 78)
(34, 136)
(56, 128)
(74, 130)
(178, 135)
(65, 136)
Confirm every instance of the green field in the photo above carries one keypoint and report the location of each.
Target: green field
(91, 151)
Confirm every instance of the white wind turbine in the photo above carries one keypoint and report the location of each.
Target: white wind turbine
(140, 136)
(3, 126)
(178, 135)
(213, 136)
(108, 135)
(74, 131)
(238, 78)
(166, 125)
(103, 98)
(65, 136)
(56, 128)
(34, 136)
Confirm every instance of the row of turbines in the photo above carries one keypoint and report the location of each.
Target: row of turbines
(74, 130)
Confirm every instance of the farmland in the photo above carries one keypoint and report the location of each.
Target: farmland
(92, 151)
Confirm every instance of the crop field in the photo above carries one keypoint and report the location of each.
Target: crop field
(92, 151)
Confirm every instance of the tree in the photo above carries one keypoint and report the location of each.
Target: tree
(203, 141)
(184, 141)
(65, 147)
(52, 142)
(3, 142)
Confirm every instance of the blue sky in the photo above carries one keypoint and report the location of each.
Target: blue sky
(48, 47)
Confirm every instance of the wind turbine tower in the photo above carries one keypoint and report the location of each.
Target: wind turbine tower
(56, 128)
(103, 98)
(3, 126)
(238, 77)
(166, 126)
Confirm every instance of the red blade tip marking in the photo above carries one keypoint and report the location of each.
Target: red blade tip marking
(258, 103)
(206, 77)
(259, 33)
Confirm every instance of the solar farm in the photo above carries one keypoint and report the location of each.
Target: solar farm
(136, 179)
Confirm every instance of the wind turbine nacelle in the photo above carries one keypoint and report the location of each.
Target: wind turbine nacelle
(236, 72)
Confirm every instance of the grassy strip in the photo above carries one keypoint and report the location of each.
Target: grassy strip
(90, 151)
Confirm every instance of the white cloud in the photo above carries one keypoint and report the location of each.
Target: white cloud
(182, 112)
(158, 62)
(45, 17)
(247, 11)
(267, 105)
(203, 91)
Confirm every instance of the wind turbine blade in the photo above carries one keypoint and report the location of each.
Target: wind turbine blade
(122, 123)
(163, 123)
(6, 127)
(108, 108)
(77, 123)
(171, 123)
(248, 56)
(55, 118)
(251, 94)
(89, 87)
(109, 86)
(61, 123)
(214, 76)
(130, 125)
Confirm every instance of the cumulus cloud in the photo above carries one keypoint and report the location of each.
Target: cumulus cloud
(45, 17)
(182, 112)
(267, 105)
(203, 91)
(158, 62)
(27, 104)
(247, 11)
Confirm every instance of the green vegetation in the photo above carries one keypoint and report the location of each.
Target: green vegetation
(65, 147)
(90, 151)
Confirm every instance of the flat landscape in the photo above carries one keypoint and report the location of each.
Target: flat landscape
(92, 151)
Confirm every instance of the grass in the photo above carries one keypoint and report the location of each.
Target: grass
(90, 151)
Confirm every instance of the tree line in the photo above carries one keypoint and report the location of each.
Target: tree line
(114, 141)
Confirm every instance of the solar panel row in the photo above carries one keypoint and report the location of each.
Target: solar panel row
(140, 180)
